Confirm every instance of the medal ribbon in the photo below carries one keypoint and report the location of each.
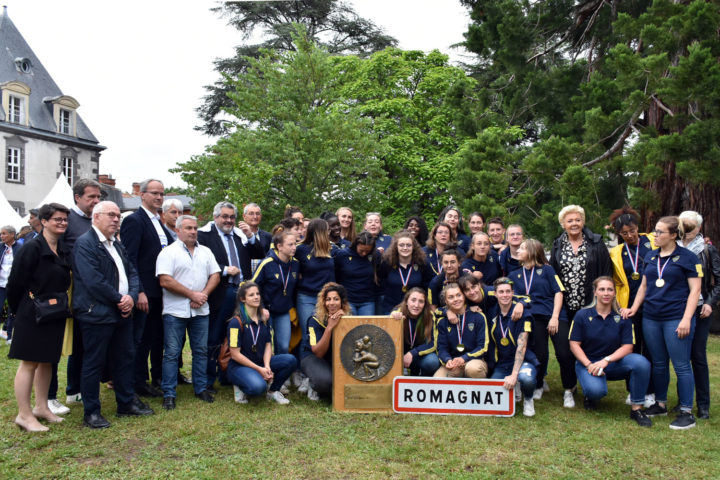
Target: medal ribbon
(637, 253)
(412, 337)
(284, 278)
(403, 279)
(528, 285)
(503, 330)
(437, 257)
(254, 335)
(661, 270)
(459, 331)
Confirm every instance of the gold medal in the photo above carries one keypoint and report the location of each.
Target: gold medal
(254, 348)
(635, 276)
(404, 289)
(659, 283)
(504, 342)
(460, 348)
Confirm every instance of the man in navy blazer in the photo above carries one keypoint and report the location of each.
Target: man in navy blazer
(143, 236)
(105, 289)
(220, 237)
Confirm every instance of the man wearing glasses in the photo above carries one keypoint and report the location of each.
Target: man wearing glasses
(144, 236)
(233, 253)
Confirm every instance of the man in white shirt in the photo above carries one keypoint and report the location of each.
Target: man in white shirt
(188, 273)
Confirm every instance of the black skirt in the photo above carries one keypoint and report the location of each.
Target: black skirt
(34, 342)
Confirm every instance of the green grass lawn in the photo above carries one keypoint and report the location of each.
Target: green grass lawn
(308, 440)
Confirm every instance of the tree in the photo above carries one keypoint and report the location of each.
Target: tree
(294, 140)
(332, 24)
(617, 102)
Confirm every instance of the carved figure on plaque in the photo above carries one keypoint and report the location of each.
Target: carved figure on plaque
(364, 358)
(367, 353)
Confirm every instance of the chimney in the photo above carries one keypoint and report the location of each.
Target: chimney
(106, 180)
(136, 189)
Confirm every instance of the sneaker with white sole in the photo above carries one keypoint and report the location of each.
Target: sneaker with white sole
(528, 407)
(546, 387)
(296, 379)
(537, 395)
(568, 399)
(239, 395)
(3, 334)
(683, 421)
(57, 408)
(312, 394)
(285, 389)
(73, 399)
(278, 398)
(304, 385)
(649, 400)
(628, 400)
(655, 410)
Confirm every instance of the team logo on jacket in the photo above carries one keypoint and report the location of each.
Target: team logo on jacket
(471, 326)
(308, 257)
(539, 271)
(349, 258)
(676, 258)
(617, 318)
(647, 245)
(294, 274)
(415, 267)
(589, 319)
(277, 275)
(449, 329)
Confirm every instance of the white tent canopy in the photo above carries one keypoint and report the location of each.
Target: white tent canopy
(60, 193)
(8, 215)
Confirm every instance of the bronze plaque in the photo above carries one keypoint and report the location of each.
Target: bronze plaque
(368, 396)
(367, 353)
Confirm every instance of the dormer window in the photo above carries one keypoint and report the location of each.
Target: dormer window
(64, 113)
(15, 98)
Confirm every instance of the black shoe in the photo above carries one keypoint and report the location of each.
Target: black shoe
(655, 410)
(146, 390)
(169, 403)
(183, 380)
(703, 413)
(683, 421)
(95, 420)
(676, 409)
(205, 396)
(589, 404)
(641, 419)
(157, 384)
(134, 410)
(139, 403)
(211, 390)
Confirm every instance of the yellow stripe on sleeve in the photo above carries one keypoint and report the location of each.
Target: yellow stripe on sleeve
(233, 340)
(313, 337)
(557, 279)
(528, 326)
(698, 267)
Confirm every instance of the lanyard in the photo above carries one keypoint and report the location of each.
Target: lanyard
(528, 285)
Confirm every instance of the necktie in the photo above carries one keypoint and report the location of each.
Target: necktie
(233, 256)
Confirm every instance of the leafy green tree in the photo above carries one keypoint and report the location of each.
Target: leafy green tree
(295, 140)
(332, 24)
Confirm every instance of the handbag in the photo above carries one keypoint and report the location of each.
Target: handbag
(224, 355)
(50, 307)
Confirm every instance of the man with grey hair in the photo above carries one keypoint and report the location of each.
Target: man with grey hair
(105, 289)
(8, 249)
(233, 254)
(172, 208)
(144, 236)
(252, 216)
(188, 273)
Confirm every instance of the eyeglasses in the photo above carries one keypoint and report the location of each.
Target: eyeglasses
(111, 214)
(59, 219)
(627, 234)
(658, 232)
(227, 217)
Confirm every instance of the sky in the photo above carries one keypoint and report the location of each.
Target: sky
(138, 68)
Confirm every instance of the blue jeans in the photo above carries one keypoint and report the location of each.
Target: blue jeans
(527, 376)
(664, 345)
(280, 323)
(363, 309)
(221, 310)
(633, 366)
(305, 306)
(252, 383)
(197, 328)
(425, 365)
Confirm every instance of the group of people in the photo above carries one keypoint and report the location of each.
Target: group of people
(259, 308)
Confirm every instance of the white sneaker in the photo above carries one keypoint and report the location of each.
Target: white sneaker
(9, 342)
(518, 395)
(240, 396)
(537, 395)
(312, 394)
(545, 387)
(285, 389)
(3, 334)
(73, 399)
(649, 400)
(57, 408)
(529, 407)
(277, 397)
(296, 378)
(628, 401)
(304, 385)
(568, 399)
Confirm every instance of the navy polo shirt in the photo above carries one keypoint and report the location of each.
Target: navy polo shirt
(241, 336)
(490, 268)
(391, 282)
(356, 274)
(668, 302)
(474, 336)
(433, 259)
(314, 271)
(313, 334)
(545, 284)
(598, 336)
(383, 241)
(463, 242)
(507, 262)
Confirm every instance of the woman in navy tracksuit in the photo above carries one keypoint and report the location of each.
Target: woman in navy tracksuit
(355, 269)
(402, 268)
(419, 352)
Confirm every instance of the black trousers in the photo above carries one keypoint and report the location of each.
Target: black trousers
(148, 337)
(560, 341)
(320, 374)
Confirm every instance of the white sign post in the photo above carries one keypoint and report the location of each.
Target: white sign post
(452, 396)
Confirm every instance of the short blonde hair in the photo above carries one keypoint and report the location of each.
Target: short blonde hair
(571, 209)
(691, 215)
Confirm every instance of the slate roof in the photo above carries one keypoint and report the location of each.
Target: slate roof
(14, 47)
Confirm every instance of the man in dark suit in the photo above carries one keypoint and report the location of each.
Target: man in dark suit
(143, 236)
(253, 216)
(233, 253)
(105, 289)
